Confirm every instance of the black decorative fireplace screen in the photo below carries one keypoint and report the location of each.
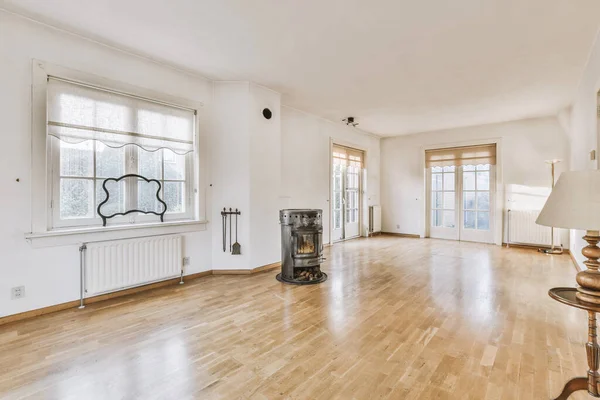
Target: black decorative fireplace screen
(159, 212)
(301, 246)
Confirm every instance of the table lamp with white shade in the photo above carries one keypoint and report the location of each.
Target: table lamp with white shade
(575, 204)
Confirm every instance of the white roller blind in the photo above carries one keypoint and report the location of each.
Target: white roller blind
(347, 153)
(77, 113)
(468, 155)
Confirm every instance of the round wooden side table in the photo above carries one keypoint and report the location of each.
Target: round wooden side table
(590, 383)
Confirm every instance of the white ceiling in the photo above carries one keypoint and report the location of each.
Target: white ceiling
(398, 66)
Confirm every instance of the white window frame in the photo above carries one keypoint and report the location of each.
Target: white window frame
(131, 153)
(498, 186)
(45, 167)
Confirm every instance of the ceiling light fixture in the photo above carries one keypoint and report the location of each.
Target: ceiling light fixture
(350, 121)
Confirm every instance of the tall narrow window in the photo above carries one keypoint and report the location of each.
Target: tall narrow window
(97, 134)
(346, 187)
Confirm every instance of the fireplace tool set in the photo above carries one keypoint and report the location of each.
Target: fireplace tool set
(234, 248)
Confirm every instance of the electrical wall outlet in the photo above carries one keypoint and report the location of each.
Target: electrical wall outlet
(186, 261)
(17, 292)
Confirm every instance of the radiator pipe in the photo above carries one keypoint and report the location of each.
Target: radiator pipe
(82, 250)
(181, 278)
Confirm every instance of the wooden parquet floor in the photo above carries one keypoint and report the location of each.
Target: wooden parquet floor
(397, 319)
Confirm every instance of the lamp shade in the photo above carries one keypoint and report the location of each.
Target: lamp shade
(574, 202)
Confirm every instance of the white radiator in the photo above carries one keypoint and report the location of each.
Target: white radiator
(374, 219)
(114, 265)
(523, 229)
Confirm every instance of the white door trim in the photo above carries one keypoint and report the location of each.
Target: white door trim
(362, 198)
(499, 202)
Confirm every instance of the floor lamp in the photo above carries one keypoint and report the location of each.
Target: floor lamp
(552, 249)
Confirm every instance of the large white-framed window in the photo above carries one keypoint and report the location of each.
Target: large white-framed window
(79, 171)
(461, 192)
(94, 133)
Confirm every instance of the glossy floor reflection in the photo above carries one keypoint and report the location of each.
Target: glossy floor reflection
(397, 319)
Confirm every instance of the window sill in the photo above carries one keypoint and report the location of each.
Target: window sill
(61, 237)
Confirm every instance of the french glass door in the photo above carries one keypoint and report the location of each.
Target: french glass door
(461, 202)
(346, 188)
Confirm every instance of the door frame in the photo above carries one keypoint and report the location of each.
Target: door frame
(362, 198)
(499, 203)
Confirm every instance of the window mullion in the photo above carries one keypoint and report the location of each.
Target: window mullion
(132, 184)
(459, 198)
(132, 168)
(162, 173)
(95, 177)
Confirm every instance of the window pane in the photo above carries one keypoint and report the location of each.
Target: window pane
(337, 219)
(469, 222)
(150, 164)
(483, 221)
(449, 169)
(483, 180)
(174, 165)
(468, 180)
(436, 199)
(436, 182)
(337, 200)
(77, 159)
(449, 181)
(469, 201)
(449, 219)
(449, 198)
(352, 181)
(436, 169)
(436, 217)
(110, 163)
(116, 200)
(147, 197)
(483, 167)
(76, 198)
(483, 200)
(337, 182)
(468, 168)
(175, 197)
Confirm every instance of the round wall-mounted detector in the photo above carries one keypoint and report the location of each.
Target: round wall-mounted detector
(267, 113)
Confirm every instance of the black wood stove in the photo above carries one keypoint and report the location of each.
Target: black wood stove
(301, 247)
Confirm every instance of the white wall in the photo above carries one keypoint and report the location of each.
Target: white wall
(583, 130)
(51, 274)
(230, 178)
(524, 146)
(256, 165)
(265, 177)
(306, 158)
(246, 164)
